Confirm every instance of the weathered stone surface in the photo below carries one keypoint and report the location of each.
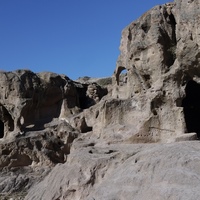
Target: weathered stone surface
(28, 101)
(34, 122)
(15, 182)
(37, 148)
(129, 140)
(136, 171)
(160, 52)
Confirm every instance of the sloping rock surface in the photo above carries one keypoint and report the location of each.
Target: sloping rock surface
(137, 171)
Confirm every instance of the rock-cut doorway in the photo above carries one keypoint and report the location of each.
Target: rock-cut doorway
(191, 107)
(1, 129)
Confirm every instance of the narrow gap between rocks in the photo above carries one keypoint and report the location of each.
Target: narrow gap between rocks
(173, 43)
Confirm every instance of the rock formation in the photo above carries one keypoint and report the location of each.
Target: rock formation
(160, 52)
(29, 101)
(122, 171)
(134, 138)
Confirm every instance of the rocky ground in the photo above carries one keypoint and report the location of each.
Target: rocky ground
(125, 171)
(130, 136)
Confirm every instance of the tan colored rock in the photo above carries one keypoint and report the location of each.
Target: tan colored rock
(81, 125)
(46, 147)
(34, 123)
(160, 53)
(136, 171)
(91, 137)
(28, 101)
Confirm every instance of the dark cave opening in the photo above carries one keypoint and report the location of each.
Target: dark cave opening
(1, 129)
(191, 107)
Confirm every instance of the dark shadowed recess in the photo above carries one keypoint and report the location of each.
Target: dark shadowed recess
(1, 129)
(191, 107)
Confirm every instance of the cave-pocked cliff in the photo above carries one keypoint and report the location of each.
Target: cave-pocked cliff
(132, 139)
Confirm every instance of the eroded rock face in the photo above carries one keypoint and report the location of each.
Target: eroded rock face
(160, 52)
(28, 101)
(35, 111)
(90, 140)
(137, 171)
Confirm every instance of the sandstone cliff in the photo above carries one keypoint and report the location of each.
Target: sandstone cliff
(133, 139)
(160, 52)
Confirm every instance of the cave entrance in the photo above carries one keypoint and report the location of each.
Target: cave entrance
(121, 75)
(191, 107)
(1, 129)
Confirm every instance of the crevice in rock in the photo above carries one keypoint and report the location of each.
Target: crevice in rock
(129, 35)
(173, 25)
(156, 104)
(81, 125)
(171, 50)
(96, 151)
(191, 107)
(168, 40)
(96, 114)
(147, 24)
(147, 80)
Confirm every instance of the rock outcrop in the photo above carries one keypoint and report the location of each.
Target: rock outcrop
(160, 53)
(92, 139)
(28, 101)
(34, 124)
(140, 171)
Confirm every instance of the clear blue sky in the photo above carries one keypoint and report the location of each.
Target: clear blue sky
(72, 37)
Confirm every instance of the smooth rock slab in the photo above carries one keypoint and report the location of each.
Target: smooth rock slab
(138, 171)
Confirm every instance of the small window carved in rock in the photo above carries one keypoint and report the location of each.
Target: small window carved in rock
(121, 76)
